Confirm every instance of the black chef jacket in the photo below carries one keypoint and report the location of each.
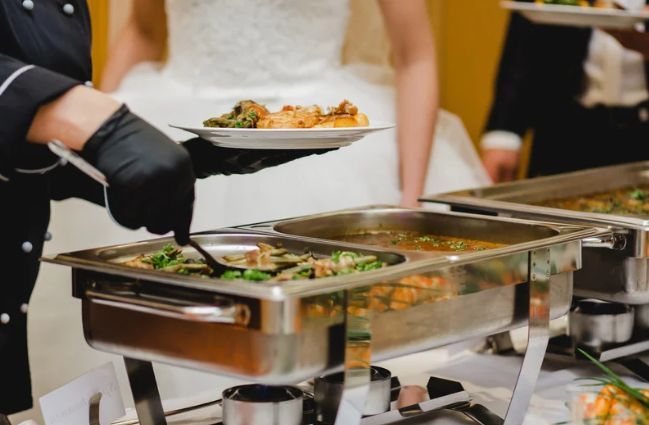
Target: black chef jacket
(44, 51)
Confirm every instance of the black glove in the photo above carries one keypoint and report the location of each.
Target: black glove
(210, 160)
(151, 178)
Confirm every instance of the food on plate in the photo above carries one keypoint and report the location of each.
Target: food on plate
(615, 403)
(416, 241)
(267, 263)
(625, 201)
(245, 114)
(250, 114)
(170, 259)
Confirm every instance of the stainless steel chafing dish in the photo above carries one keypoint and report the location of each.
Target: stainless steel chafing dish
(282, 333)
(620, 274)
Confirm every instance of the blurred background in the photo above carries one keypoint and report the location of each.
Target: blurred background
(468, 47)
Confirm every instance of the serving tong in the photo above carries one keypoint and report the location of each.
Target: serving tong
(67, 155)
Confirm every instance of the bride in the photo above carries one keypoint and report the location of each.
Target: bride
(289, 52)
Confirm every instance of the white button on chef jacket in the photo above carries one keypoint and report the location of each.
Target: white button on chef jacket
(68, 9)
(4, 318)
(27, 247)
(28, 5)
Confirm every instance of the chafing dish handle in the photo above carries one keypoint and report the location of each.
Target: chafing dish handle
(229, 312)
(613, 241)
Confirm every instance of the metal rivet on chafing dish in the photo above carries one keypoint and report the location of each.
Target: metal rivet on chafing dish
(47, 236)
(27, 247)
(4, 318)
(23, 308)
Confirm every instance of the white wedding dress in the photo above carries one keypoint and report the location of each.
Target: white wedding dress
(220, 51)
(284, 52)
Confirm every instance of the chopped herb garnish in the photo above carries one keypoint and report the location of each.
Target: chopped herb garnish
(231, 275)
(256, 275)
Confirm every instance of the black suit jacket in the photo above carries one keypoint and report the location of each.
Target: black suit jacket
(541, 70)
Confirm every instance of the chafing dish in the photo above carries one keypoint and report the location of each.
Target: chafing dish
(283, 333)
(620, 274)
(595, 323)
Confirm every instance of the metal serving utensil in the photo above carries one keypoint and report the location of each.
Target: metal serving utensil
(211, 261)
(88, 169)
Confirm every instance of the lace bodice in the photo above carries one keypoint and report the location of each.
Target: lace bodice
(225, 44)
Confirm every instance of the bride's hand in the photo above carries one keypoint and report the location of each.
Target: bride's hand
(409, 201)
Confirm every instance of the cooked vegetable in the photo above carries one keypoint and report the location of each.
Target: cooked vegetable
(415, 241)
(625, 201)
(245, 114)
(170, 259)
(279, 264)
(306, 266)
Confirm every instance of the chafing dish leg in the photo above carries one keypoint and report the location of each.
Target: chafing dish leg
(636, 366)
(358, 356)
(538, 337)
(145, 392)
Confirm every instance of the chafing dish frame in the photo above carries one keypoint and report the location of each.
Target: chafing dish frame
(89, 267)
(618, 275)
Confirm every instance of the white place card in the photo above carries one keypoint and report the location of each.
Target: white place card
(70, 404)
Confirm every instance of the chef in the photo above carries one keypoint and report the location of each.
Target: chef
(45, 95)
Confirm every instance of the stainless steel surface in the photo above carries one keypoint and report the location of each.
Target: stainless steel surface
(505, 231)
(145, 392)
(358, 355)
(294, 329)
(328, 390)
(642, 316)
(481, 415)
(63, 152)
(538, 335)
(211, 261)
(93, 411)
(595, 323)
(262, 405)
(613, 241)
(618, 275)
(636, 366)
(109, 260)
(217, 310)
(624, 350)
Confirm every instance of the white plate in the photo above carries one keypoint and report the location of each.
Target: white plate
(555, 14)
(280, 138)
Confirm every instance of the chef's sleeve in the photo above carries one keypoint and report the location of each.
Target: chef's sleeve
(68, 182)
(23, 89)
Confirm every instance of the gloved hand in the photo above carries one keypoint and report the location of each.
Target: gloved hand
(151, 178)
(210, 160)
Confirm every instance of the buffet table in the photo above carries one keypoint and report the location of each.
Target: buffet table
(286, 332)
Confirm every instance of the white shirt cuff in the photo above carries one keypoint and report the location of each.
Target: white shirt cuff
(499, 139)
